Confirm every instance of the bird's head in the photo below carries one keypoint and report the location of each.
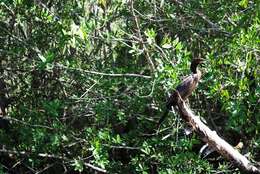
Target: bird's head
(195, 62)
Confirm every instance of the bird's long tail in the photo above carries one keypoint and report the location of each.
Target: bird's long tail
(172, 101)
(163, 117)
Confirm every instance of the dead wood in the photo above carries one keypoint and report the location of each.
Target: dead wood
(213, 140)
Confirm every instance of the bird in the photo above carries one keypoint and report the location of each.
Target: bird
(185, 88)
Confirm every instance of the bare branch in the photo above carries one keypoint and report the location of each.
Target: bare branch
(95, 168)
(147, 55)
(214, 141)
(23, 153)
(106, 74)
(214, 27)
(27, 124)
(51, 156)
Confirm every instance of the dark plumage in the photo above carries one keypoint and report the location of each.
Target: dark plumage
(185, 88)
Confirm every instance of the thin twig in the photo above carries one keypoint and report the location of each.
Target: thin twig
(45, 155)
(24, 153)
(147, 55)
(122, 147)
(105, 74)
(95, 168)
(215, 27)
(27, 124)
(45, 168)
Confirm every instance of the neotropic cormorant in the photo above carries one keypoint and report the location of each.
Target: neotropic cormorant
(185, 88)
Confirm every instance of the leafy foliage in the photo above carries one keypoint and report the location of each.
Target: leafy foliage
(88, 80)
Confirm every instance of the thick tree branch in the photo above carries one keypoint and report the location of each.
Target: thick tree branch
(214, 141)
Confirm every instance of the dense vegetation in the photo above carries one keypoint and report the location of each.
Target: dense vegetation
(87, 80)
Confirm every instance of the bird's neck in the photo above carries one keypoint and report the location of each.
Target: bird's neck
(193, 68)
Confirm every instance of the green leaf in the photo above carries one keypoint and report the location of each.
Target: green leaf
(243, 3)
(43, 59)
(78, 165)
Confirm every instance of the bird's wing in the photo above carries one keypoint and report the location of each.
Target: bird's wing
(187, 86)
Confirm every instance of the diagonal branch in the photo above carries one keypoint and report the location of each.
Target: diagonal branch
(214, 141)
